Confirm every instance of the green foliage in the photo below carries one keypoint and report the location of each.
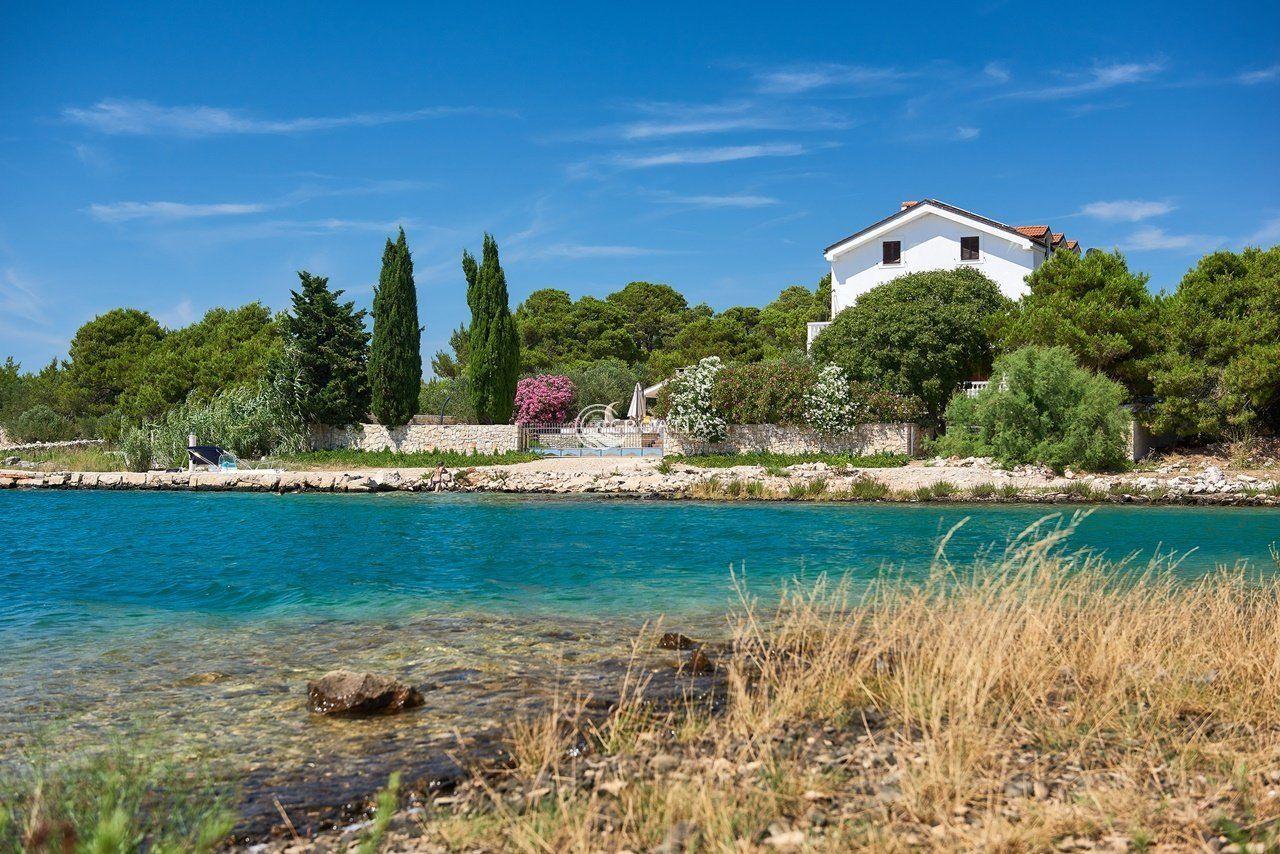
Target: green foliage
(652, 326)
(41, 424)
(446, 396)
(105, 356)
(387, 801)
(225, 348)
(119, 800)
(920, 334)
(395, 356)
(248, 421)
(771, 392)
(453, 365)
(605, 381)
(330, 347)
(783, 323)
(1040, 407)
(1096, 308)
(493, 363)
(1219, 373)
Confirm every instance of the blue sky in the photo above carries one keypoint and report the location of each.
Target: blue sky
(174, 158)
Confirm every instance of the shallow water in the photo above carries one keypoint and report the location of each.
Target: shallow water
(201, 616)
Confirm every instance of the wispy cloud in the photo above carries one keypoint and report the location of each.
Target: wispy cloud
(667, 119)
(1261, 75)
(997, 72)
(145, 118)
(1101, 77)
(578, 250)
(730, 201)
(1152, 239)
(1267, 235)
(1126, 210)
(719, 154)
(967, 132)
(19, 298)
(169, 211)
(796, 79)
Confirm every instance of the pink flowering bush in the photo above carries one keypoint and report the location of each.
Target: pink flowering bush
(544, 399)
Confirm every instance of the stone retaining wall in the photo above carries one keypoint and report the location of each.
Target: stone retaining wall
(418, 438)
(863, 440)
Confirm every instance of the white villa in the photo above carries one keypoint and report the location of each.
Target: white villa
(933, 235)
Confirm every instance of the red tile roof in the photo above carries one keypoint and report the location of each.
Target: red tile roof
(1057, 237)
(1039, 232)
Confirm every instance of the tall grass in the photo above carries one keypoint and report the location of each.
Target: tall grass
(123, 799)
(1040, 695)
(248, 421)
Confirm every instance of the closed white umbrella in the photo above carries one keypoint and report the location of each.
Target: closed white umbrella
(637, 408)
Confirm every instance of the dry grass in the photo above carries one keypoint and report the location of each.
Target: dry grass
(1043, 699)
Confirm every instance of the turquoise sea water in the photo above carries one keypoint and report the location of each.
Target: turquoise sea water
(77, 565)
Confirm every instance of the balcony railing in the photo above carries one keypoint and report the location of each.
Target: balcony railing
(813, 330)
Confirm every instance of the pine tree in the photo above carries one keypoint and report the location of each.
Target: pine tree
(331, 352)
(395, 355)
(493, 363)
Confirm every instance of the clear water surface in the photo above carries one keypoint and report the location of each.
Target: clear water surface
(80, 565)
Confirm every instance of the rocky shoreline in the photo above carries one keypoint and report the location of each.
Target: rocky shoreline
(971, 480)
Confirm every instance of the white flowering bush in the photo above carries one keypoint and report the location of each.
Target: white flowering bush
(829, 406)
(691, 412)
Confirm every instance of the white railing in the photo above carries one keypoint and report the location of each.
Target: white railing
(813, 330)
(972, 388)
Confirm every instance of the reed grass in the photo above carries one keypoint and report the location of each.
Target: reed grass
(84, 458)
(1036, 699)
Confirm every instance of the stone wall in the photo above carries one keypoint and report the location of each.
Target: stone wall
(417, 438)
(863, 440)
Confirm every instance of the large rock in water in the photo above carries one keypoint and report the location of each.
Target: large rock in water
(347, 693)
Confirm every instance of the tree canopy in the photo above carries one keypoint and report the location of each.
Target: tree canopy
(1096, 308)
(493, 358)
(921, 334)
(330, 348)
(1218, 374)
(395, 355)
(105, 356)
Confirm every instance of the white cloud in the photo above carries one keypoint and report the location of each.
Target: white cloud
(997, 71)
(721, 154)
(796, 79)
(966, 132)
(1261, 75)
(1267, 235)
(1153, 239)
(1101, 77)
(179, 315)
(169, 211)
(18, 298)
(669, 119)
(577, 250)
(1126, 210)
(141, 118)
(730, 201)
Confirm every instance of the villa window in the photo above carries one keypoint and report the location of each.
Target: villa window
(892, 252)
(969, 249)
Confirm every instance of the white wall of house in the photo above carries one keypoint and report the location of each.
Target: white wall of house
(931, 241)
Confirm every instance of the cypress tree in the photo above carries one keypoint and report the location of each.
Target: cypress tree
(395, 355)
(331, 349)
(493, 363)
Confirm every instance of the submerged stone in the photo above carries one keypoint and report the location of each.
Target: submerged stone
(350, 694)
(675, 640)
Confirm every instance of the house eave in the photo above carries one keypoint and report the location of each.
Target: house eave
(918, 210)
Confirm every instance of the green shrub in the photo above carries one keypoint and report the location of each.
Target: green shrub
(249, 422)
(868, 490)
(1040, 407)
(920, 334)
(733, 488)
(818, 486)
(769, 392)
(42, 424)
(943, 489)
(923, 493)
(983, 490)
(797, 490)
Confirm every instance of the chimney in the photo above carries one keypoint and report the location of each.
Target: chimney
(906, 205)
